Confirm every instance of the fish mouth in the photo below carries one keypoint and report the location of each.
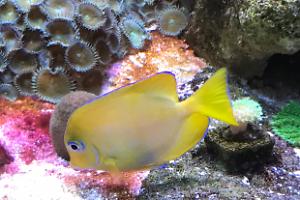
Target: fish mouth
(97, 155)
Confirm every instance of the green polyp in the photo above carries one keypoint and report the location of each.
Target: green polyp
(286, 123)
(136, 39)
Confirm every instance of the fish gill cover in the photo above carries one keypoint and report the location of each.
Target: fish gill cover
(286, 123)
(32, 39)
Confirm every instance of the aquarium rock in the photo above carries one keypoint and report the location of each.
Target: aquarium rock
(60, 116)
(245, 153)
(244, 34)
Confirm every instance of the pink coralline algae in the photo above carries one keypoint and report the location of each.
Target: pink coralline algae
(164, 54)
(25, 129)
(5, 158)
(26, 145)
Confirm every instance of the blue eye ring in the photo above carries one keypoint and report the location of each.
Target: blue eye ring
(76, 145)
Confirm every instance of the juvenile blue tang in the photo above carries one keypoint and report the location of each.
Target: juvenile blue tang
(143, 124)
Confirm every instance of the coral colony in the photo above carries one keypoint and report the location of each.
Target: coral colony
(35, 50)
(245, 111)
(286, 123)
(39, 60)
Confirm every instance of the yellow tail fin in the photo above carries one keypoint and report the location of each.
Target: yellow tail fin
(212, 99)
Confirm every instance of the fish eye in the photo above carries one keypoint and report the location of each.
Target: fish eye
(75, 145)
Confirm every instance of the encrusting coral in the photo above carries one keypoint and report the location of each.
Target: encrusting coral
(8, 91)
(78, 35)
(90, 81)
(286, 123)
(20, 60)
(8, 13)
(36, 19)
(7, 76)
(172, 21)
(60, 116)
(11, 37)
(3, 62)
(114, 41)
(65, 35)
(81, 56)
(56, 52)
(59, 8)
(135, 32)
(33, 40)
(245, 111)
(52, 84)
(25, 5)
(91, 16)
(22, 82)
(104, 52)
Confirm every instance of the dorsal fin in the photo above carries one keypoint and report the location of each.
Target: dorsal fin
(162, 84)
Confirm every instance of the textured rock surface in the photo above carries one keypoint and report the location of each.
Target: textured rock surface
(241, 155)
(60, 116)
(244, 34)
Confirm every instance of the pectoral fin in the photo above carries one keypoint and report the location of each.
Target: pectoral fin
(110, 164)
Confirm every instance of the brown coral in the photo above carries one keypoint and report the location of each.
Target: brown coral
(36, 19)
(23, 83)
(11, 37)
(81, 56)
(59, 8)
(54, 34)
(25, 5)
(104, 52)
(91, 81)
(3, 62)
(172, 22)
(20, 60)
(33, 40)
(64, 35)
(8, 13)
(8, 92)
(91, 16)
(52, 84)
(7, 76)
(56, 51)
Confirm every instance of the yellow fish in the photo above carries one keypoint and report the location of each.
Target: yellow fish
(143, 124)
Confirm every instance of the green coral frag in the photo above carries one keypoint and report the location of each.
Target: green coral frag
(247, 110)
(286, 123)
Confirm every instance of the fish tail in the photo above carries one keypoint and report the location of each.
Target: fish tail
(212, 99)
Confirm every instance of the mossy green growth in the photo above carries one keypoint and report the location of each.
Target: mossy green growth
(286, 123)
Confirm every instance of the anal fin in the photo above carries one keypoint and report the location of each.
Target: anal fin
(191, 132)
